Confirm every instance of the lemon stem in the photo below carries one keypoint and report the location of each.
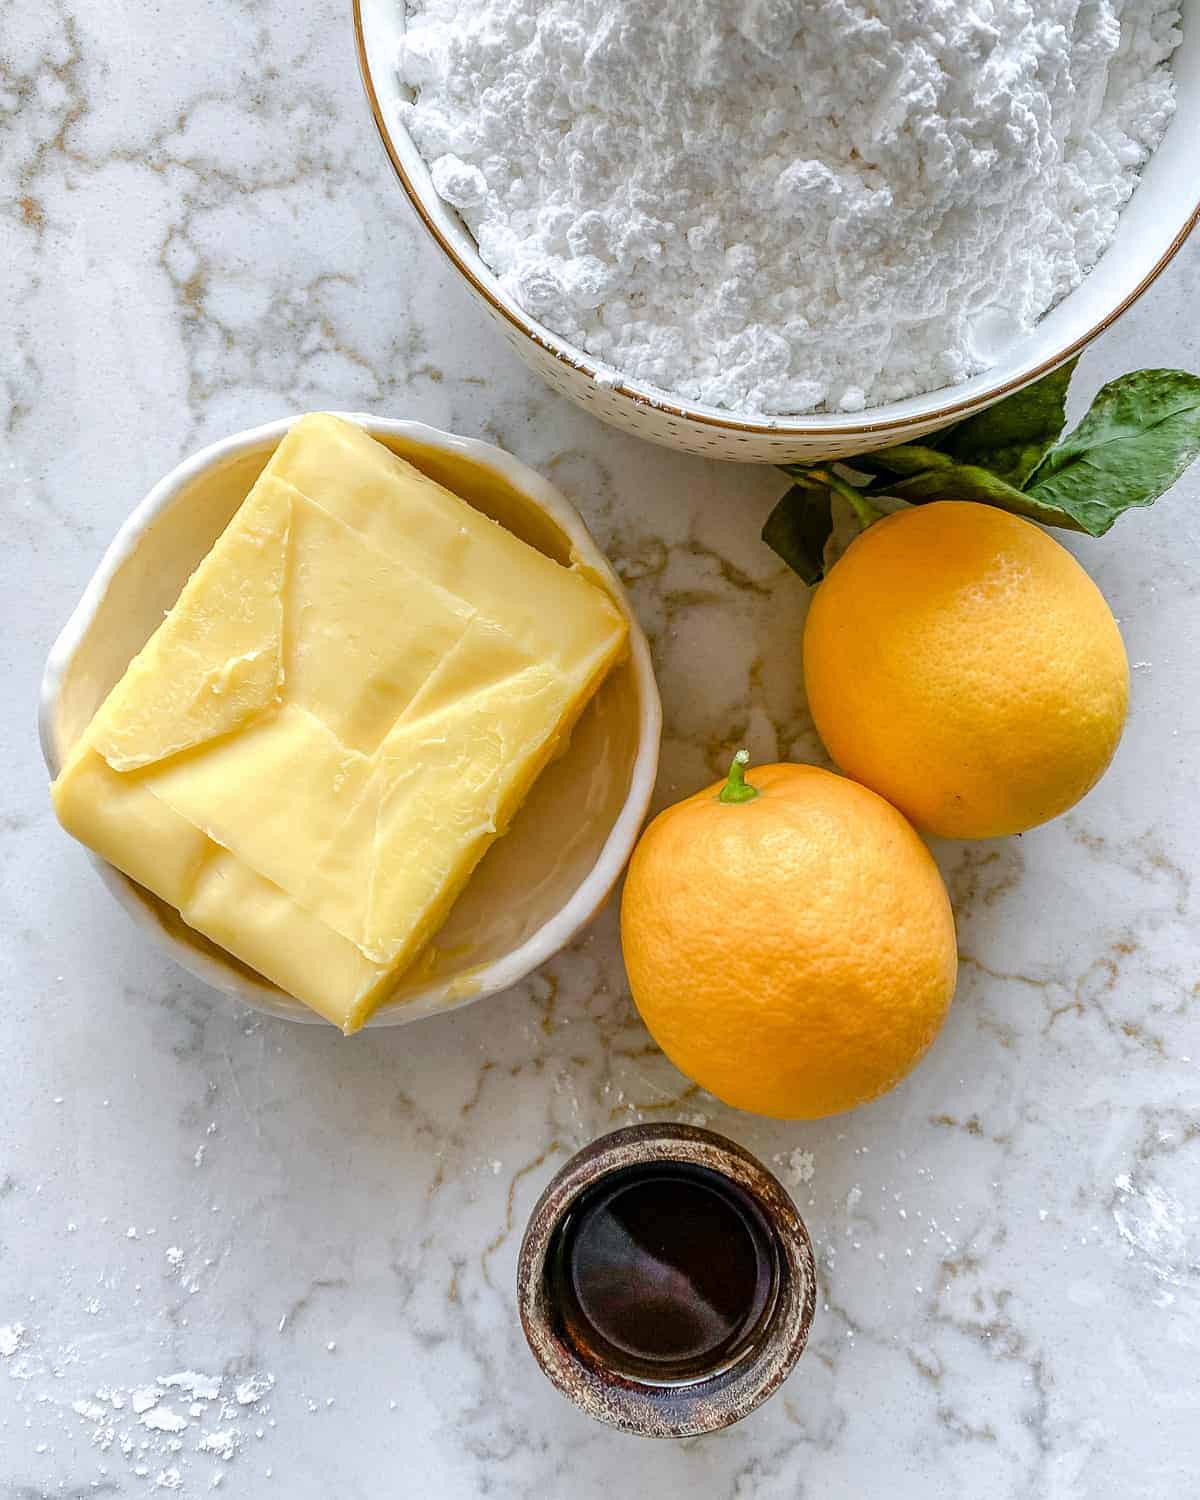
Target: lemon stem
(737, 788)
(865, 513)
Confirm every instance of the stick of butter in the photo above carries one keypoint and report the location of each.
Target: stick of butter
(349, 701)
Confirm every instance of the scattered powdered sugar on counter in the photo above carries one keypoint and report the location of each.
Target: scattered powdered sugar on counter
(181, 1431)
(1159, 1230)
(800, 1167)
(780, 205)
(249, 1392)
(147, 1426)
(223, 1443)
(12, 1336)
(199, 1387)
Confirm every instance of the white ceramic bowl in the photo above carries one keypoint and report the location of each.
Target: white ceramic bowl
(1156, 222)
(537, 886)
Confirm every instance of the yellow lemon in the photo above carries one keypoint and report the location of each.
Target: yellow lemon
(793, 951)
(963, 665)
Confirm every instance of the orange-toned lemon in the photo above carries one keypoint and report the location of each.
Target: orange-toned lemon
(961, 663)
(792, 952)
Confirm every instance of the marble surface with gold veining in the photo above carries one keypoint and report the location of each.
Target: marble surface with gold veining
(316, 1238)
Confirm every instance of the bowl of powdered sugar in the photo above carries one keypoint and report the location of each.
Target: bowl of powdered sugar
(771, 229)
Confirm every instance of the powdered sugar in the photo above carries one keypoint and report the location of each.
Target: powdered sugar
(179, 1431)
(12, 1336)
(1160, 1230)
(147, 1427)
(223, 1443)
(248, 1392)
(164, 1419)
(199, 1387)
(801, 1167)
(780, 205)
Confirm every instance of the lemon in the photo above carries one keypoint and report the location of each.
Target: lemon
(789, 943)
(963, 665)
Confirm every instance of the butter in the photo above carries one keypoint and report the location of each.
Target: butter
(344, 709)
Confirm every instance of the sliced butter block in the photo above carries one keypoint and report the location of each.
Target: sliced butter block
(347, 705)
(550, 611)
(216, 661)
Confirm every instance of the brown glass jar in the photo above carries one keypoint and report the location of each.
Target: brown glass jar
(666, 1281)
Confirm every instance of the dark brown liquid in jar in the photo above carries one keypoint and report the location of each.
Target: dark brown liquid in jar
(664, 1273)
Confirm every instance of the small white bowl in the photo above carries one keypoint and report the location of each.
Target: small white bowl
(539, 884)
(1157, 220)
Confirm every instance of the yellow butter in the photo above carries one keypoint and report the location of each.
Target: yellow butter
(346, 706)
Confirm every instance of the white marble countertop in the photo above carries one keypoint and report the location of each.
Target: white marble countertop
(204, 236)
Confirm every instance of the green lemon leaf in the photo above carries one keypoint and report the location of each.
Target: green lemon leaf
(798, 529)
(1011, 438)
(904, 459)
(1141, 433)
(969, 482)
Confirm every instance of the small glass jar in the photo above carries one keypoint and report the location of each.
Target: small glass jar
(666, 1282)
